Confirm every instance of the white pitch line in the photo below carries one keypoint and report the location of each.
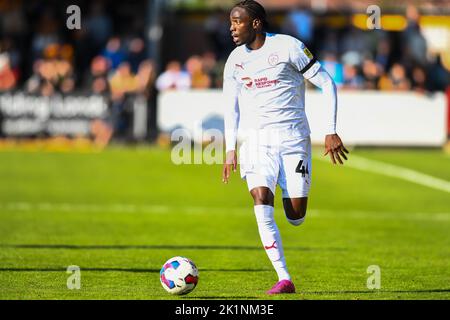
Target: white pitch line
(165, 209)
(395, 171)
(113, 207)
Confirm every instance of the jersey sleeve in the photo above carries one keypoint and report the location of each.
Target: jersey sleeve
(231, 89)
(303, 60)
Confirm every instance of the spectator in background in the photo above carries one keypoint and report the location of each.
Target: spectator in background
(136, 53)
(299, 23)
(213, 68)
(413, 42)
(419, 80)
(395, 80)
(123, 81)
(330, 42)
(218, 31)
(371, 73)
(98, 25)
(173, 78)
(438, 76)
(8, 80)
(67, 81)
(383, 54)
(334, 68)
(354, 41)
(96, 80)
(33, 84)
(13, 19)
(123, 84)
(352, 78)
(54, 73)
(146, 78)
(7, 46)
(46, 33)
(113, 52)
(199, 79)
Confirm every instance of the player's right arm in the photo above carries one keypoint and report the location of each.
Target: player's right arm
(231, 90)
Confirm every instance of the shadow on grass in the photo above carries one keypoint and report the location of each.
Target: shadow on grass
(219, 298)
(154, 247)
(136, 270)
(376, 291)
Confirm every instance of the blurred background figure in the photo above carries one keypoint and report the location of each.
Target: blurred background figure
(146, 76)
(123, 81)
(352, 78)
(123, 84)
(8, 79)
(99, 26)
(372, 72)
(300, 24)
(173, 78)
(136, 53)
(113, 52)
(419, 80)
(199, 78)
(118, 56)
(414, 44)
(395, 80)
(217, 29)
(96, 80)
(334, 68)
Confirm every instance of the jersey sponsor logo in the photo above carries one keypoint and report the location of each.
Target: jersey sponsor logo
(264, 82)
(248, 82)
(273, 59)
(259, 83)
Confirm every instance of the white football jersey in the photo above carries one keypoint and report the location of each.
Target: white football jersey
(267, 85)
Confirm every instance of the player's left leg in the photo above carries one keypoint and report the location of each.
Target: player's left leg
(295, 210)
(295, 180)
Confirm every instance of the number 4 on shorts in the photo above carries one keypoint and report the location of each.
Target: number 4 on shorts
(302, 169)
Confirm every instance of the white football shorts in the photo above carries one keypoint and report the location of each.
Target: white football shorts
(286, 163)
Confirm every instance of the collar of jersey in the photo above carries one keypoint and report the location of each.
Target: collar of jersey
(268, 35)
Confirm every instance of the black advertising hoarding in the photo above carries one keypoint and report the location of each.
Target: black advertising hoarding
(24, 115)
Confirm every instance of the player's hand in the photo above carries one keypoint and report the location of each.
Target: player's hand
(230, 164)
(335, 148)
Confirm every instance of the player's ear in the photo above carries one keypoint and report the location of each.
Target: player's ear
(256, 24)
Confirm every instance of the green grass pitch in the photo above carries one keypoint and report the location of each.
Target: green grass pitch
(120, 214)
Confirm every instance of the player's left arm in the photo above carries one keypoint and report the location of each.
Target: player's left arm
(304, 62)
(333, 143)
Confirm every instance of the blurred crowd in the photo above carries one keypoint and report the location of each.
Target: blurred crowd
(356, 59)
(95, 60)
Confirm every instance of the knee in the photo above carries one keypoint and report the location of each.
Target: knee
(296, 213)
(296, 222)
(262, 196)
(295, 210)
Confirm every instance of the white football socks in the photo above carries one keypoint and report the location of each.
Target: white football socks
(271, 240)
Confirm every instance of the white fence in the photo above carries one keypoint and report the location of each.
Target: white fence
(369, 118)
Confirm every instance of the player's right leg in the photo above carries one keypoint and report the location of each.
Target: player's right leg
(262, 192)
(259, 167)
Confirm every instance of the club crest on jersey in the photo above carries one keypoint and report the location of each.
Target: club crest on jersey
(273, 59)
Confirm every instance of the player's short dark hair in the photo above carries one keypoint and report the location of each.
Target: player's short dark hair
(254, 10)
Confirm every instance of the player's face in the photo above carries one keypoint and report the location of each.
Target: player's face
(241, 28)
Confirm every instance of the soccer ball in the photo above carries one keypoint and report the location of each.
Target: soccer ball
(179, 275)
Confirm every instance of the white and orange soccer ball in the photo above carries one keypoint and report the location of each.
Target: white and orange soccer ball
(179, 275)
